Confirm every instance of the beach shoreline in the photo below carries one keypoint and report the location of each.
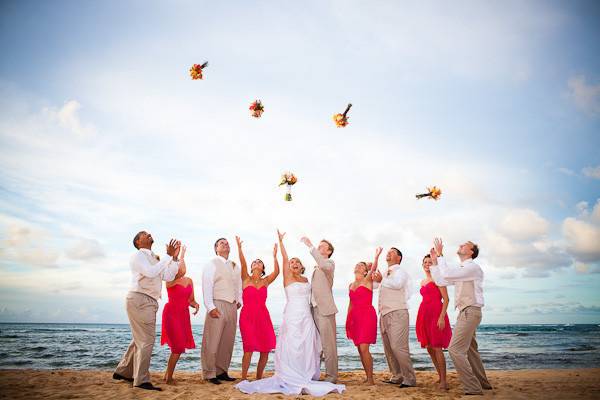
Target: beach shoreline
(98, 384)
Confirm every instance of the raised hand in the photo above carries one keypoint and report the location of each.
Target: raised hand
(433, 256)
(171, 247)
(306, 241)
(378, 251)
(280, 235)
(182, 253)
(177, 249)
(377, 276)
(438, 245)
(238, 241)
(275, 250)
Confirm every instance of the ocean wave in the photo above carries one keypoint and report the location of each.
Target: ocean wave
(583, 347)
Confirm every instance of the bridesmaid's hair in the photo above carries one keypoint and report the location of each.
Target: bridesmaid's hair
(366, 266)
(263, 264)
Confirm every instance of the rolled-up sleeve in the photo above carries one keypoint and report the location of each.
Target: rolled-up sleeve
(467, 272)
(141, 265)
(322, 262)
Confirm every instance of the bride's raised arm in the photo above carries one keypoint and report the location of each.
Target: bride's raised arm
(285, 266)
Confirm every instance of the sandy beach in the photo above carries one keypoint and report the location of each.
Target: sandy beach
(521, 384)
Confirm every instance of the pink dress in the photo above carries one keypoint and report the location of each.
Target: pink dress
(255, 322)
(361, 322)
(428, 333)
(176, 329)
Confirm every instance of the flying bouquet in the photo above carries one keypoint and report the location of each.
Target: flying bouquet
(256, 109)
(341, 120)
(196, 70)
(433, 193)
(288, 179)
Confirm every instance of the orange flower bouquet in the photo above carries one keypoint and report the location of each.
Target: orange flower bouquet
(288, 179)
(432, 192)
(341, 120)
(196, 70)
(256, 109)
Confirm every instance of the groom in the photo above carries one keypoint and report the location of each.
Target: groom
(222, 290)
(323, 305)
(148, 272)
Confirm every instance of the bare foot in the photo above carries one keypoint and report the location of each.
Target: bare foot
(170, 381)
(444, 386)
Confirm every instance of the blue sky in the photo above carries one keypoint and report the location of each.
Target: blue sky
(103, 134)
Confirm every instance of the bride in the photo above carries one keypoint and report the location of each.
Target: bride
(297, 363)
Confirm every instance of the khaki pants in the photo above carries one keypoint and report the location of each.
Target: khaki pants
(218, 339)
(463, 350)
(394, 332)
(327, 330)
(141, 311)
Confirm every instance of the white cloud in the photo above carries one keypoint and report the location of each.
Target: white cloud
(86, 249)
(27, 244)
(523, 224)
(586, 96)
(582, 234)
(592, 172)
(68, 117)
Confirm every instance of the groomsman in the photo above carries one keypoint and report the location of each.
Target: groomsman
(148, 272)
(394, 292)
(468, 282)
(222, 290)
(323, 305)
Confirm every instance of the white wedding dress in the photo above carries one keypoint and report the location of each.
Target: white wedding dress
(297, 362)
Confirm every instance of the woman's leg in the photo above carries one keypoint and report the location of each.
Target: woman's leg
(246, 358)
(173, 358)
(434, 360)
(367, 361)
(262, 362)
(441, 365)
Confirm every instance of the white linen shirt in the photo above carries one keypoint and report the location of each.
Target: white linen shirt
(468, 271)
(208, 277)
(397, 278)
(140, 266)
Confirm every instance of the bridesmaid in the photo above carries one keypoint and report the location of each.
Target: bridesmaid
(361, 322)
(176, 330)
(433, 327)
(255, 322)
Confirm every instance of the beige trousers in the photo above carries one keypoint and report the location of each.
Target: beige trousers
(141, 311)
(218, 339)
(394, 332)
(463, 350)
(327, 330)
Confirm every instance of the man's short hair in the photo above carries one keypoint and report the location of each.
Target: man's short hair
(475, 250)
(136, 238)
(397, 252)
(328, 245)
(217, 242)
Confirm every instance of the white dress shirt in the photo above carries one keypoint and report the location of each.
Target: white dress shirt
(141, 267)
(208, 277)
(468, 271)
(397, 278)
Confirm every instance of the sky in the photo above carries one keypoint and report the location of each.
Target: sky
(103, 134)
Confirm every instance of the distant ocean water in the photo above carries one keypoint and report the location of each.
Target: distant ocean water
(87, 346)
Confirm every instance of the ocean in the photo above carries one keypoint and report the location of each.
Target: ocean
(100, 346)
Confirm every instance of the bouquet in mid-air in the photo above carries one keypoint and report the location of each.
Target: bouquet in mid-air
(432, 192)
(288, 179)
(196, 70)
(256, 109)
(341, 120)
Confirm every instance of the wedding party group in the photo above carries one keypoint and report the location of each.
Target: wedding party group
(307, 334)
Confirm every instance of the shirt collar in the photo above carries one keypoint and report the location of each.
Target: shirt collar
(147, 251)
(393, 267)
(226, 261)
(467, 261)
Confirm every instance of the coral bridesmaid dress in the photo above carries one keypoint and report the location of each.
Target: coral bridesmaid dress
(361, 322)
(255, 322)
(176, 328)
(428, 333)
